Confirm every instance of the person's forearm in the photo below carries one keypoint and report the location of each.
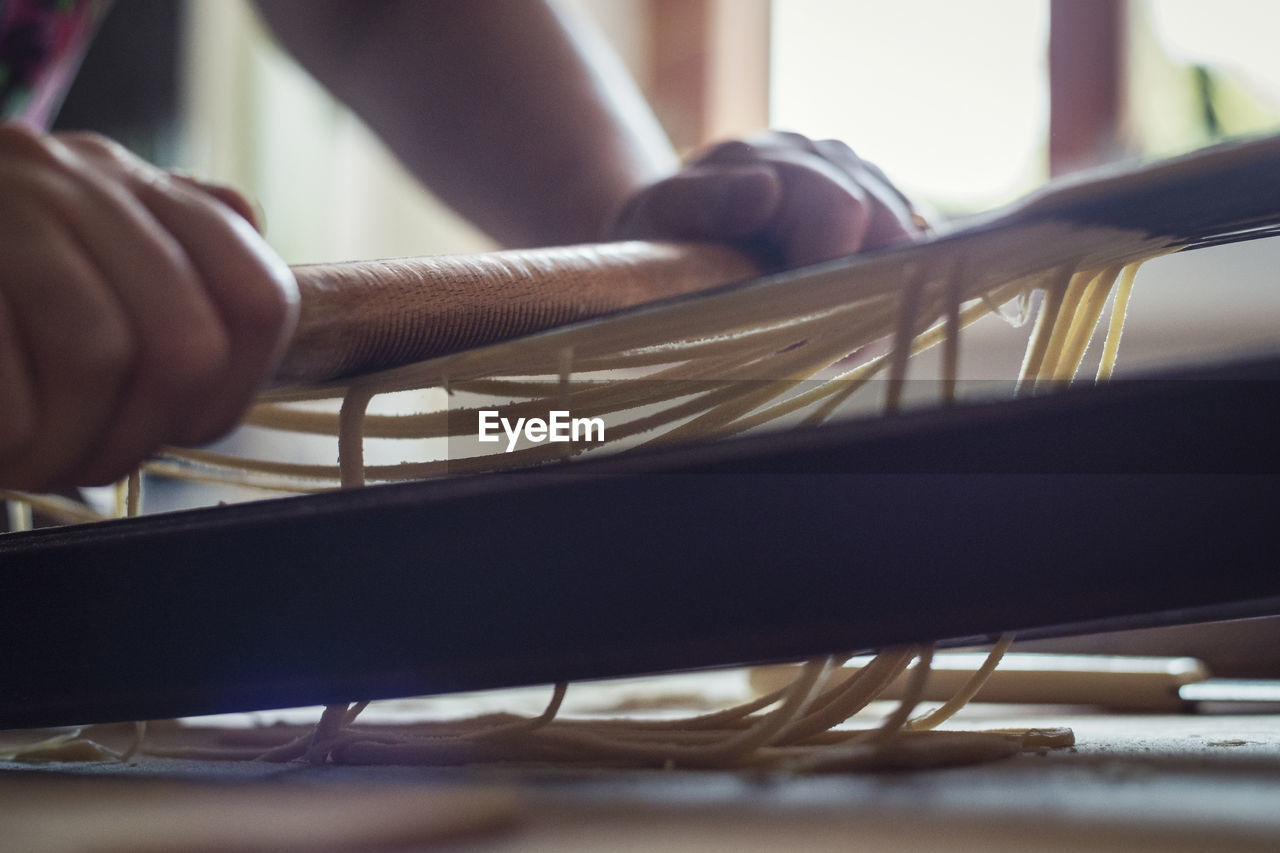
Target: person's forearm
(520, 122)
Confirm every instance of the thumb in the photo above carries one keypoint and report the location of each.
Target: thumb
(709, 202)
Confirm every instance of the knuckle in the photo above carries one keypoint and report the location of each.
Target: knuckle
(269, 306)
(17, 139)
(31, 151)
(731, 151)
(795, 140)
(94, 145)
(32, 166)
(100, 158)
(226, 195)
(782, 142)
(838, 152)
(37, 182)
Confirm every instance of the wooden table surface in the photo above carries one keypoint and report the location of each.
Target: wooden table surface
(1133, 782)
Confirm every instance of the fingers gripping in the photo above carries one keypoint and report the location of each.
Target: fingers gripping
(158, 312)
(785, 197)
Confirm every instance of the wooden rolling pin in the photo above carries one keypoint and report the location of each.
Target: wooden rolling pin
(368, 315)
(358, 317)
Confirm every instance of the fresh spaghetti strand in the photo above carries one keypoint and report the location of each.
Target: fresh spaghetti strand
(1119, 309)
(18, 508)
(910, 697)
(665, 747)
(1063, 317)
(65, 510)
(1043, 329)
(120, 498)
(850, 697)
(967, 691)
(839, 388)
(520, 727)
(351, 462)
(563, 388)
(136, 743)
(903, 336)
(332, 721)
(133, 493)
(952, 324)
(1083, 324)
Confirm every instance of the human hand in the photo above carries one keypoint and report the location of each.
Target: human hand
(788, 199)
(137, 308)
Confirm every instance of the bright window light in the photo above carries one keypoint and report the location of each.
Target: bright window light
(1238, 36)
(949, 98)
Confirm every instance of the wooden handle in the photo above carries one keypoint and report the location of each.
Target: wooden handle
(368, 315)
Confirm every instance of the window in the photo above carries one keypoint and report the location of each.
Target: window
(950, 99)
